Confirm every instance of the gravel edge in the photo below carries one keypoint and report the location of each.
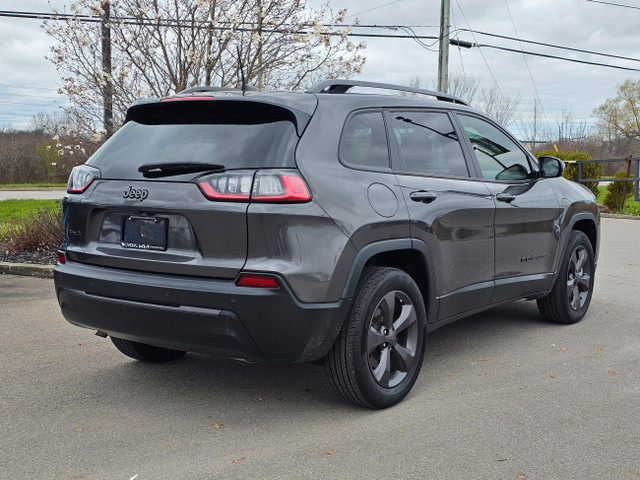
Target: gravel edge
(26, 269)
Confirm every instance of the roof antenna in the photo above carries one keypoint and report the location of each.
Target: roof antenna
(244, 87)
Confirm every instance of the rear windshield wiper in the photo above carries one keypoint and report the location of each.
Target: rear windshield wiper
(156, 170)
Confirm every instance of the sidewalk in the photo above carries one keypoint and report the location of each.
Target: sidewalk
(43, 193)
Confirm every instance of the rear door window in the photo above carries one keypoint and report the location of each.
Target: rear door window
(428, 144)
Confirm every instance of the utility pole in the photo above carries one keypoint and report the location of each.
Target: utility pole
(107, 91)
(443, 52)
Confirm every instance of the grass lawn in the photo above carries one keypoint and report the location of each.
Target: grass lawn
(16, 210)
(631, 207)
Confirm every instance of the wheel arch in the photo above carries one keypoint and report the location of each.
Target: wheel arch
(587, 225)
(411, 256)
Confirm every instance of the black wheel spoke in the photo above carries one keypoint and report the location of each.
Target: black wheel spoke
(374, 339)
(584, 281)
(382, 373)
(387, 307)
(407, 318)
(575, 298)
(581, 255)
(570, 287)
(404, 358)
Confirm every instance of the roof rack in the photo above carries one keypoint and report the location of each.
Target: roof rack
(342, 86)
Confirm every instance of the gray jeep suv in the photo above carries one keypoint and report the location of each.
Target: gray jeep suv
(324, 225)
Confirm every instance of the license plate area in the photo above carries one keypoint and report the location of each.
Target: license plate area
(144, 233)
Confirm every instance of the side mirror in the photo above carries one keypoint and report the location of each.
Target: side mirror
(551, 167)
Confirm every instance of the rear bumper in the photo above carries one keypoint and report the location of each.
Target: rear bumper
(197, 315)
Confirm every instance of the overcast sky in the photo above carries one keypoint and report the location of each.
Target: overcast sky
(29, 83)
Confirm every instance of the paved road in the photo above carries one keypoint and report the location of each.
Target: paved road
(39, 194)
(502, 395)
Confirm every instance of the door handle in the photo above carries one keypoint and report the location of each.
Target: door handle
(505, 197)
(423, 196)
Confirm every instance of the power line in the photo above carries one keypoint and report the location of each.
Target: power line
(614, 4)
(289, 31)
(374, 8)
(535, 87)
(556, 57)
(495, 80)
(552, 45)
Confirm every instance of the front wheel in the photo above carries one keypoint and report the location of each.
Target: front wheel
(144, 352)
(377, 357)
(569, 300)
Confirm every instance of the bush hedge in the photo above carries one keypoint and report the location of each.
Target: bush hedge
(613, 200)
(589, 170)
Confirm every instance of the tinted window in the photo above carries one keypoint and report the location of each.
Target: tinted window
(364, 141)
(233, 134)
(499, 157)
(428, 144)
(234, 146)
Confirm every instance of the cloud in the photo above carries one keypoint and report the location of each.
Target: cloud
(576, 23)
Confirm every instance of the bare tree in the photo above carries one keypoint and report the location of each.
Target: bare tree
(164, 46)
(500, 106)
(468, 86)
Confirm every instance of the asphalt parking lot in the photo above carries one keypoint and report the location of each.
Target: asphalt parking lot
(502, 395)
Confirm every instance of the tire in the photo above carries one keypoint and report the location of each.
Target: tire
(378, 354)
(144, 352)
(570, 297)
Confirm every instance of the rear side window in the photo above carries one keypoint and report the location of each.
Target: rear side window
(364, 141)
(428, 144)
(234, 141)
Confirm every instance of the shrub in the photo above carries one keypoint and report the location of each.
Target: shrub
(41, 231)
(613, 200)
(589, 170)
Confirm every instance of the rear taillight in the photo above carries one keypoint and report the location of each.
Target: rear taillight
(234, 185)
(279, 187)
(81, 177)
(262, 186)
(62, 259)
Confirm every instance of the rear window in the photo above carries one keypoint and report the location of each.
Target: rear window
(219, 136)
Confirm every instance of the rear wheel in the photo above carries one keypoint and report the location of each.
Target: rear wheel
(569, 300)
(378, 354)
(144, 352)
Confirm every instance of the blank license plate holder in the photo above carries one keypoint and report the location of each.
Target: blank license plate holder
(145, 233)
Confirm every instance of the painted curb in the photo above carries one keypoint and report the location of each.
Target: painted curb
(26, 269)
